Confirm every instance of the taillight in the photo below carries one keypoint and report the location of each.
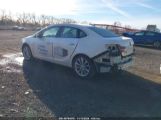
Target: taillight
(121, 48)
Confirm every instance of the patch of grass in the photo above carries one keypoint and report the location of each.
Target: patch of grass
(30, 113)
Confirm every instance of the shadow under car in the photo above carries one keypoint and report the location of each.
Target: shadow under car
(105, 95)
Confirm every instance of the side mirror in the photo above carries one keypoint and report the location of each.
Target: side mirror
(39, 35)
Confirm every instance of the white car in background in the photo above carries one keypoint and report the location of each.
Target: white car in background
(86, 49)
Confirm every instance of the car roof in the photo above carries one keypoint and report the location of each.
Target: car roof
(148, 31)
(71, 25)
(158, 33)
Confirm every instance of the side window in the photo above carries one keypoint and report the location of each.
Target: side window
(51, 32)
(139, 34)
(69, 32)
(82, 34)
(150, 34)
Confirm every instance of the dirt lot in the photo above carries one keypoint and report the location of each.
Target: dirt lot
(39, 88)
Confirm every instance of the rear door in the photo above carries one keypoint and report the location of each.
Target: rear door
(150, 37)
(65, 45)
(139, 38)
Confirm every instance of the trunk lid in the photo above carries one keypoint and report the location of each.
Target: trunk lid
(124, 42)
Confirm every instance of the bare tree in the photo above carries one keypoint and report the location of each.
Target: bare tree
(43, 20)
(3, 17)
(6, 18)
(19, 19)
(34, 19)
(23, 18)
(127, 26)
(30, 19)
(52, 20)
(10, 16)
(117, 23)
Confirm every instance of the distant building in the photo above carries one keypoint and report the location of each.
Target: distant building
(152, 28)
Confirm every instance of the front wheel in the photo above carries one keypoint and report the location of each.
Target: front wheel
(27, 52)
(84, 67)
(157, 44)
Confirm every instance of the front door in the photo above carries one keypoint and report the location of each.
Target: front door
(44, 43)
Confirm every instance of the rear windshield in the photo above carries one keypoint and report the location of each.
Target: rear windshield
(103, 32)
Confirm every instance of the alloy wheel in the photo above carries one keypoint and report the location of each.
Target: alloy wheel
(82, 66)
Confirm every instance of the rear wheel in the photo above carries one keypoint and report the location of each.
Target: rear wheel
(84, 67)
(157, 44)
(27, 52)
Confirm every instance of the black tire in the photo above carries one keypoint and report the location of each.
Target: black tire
(157, 44)
(27, 56)
(92, 69)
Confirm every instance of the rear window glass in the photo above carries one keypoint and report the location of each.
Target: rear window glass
(103, 32)
(150, 34)
(139, 34)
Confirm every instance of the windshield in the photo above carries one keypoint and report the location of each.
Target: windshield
(103, 32)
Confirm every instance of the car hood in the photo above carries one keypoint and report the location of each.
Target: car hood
(31, 36)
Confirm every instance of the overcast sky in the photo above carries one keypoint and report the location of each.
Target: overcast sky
(137, 13)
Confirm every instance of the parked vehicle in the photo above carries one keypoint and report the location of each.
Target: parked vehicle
(86, 49)
(38, 29)
(18, 28)
(146, 38)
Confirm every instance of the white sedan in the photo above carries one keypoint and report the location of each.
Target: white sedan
(86, 49)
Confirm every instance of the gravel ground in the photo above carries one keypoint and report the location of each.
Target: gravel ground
(40, 88)
(148, 59)
(10, 40)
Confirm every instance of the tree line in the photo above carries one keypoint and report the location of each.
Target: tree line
(31, 19)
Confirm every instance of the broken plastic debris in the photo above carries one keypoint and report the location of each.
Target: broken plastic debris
(13, 110)
(27, 92)
(16, 104)
(10, 69)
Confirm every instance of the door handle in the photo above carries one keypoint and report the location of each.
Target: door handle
(72, 44)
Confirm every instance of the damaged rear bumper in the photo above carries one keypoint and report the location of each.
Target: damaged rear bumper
(106, 61)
